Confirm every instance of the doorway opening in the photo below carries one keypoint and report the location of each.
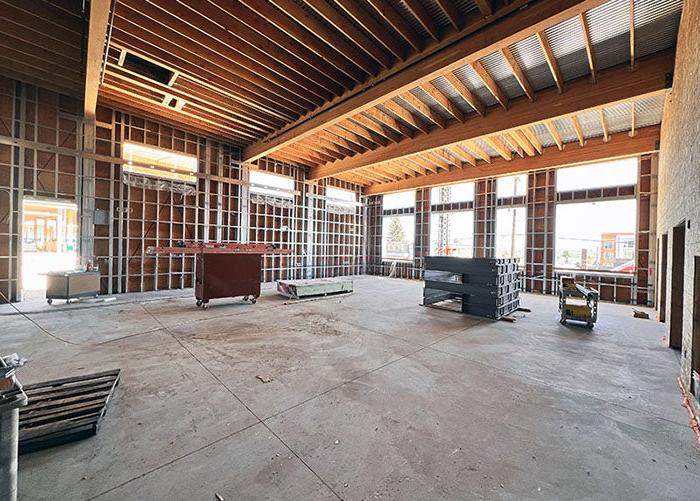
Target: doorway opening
(663, 276)
(49, 240)
(677, 286)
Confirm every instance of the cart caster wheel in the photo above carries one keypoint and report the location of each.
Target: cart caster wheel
(205, 306)
(562, 321)
(199, 303)
(589, 325)
(253, 300)
(245, 298)
(49, 301)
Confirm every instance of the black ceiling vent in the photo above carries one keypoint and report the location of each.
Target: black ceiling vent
(147, 69)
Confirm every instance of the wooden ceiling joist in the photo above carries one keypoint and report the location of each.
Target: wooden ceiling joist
(397, 21)
(619, 85)
(621, 145)
(344, 46)
(466, 94)
(491, 84)
(589, 47)
(551, 60)
(518, 73)
(355, 10)
(494, 34)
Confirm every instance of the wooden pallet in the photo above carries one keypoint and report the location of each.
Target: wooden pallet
(64, 410)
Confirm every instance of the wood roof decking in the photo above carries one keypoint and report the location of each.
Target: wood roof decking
(42, 43)
(385, 89)
(248, 68)
(570, 133)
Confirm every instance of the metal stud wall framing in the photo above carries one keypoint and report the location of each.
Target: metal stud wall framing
(541, 202)
(33, 115)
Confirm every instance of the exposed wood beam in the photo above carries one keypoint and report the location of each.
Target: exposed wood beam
(478, 150)
(396, 21)
(96, 40)
(534, 140)
(423, 109)
(369, 135)
(452, 13)
(443, 101)
(619, 85)
(352, 137)
(376, 128)
(633, 118)
(406, 115)
(466, 94)
(490, 83)
(604, 124)
(518, 73)
(437, 59)
(269, 14)
(552, 128)
(632, 42)
(518, 136)
(498, 145)
(578, 129)
(389, 121)
(484, 7)
(462, 155)
(342, 45)
(424, 18)
(596, 150)
(551, 60)
(509, 140)
(589, 47)
(369, 23)
(341, 24)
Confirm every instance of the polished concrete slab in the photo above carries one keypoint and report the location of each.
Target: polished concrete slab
(371, 397)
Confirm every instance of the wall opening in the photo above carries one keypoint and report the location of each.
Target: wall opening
(677, 284)
(663, 252)
(49, 240)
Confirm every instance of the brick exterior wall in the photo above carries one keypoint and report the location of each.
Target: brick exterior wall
(679, 171)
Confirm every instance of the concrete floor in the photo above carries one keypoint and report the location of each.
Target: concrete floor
(373, 397)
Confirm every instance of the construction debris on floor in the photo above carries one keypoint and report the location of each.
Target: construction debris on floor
(297, 289)
(64, 410)
(486, 287)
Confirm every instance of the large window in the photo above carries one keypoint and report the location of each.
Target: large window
(398, 234)
(265, 183)
(511, 186)
(452, 233)
(398, 230)
(401, 200)
(157, 162)
(600, 175)
(452, 193)
(511, 229)
(596, 235)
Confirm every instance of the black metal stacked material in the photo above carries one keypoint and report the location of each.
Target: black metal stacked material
(486, 287)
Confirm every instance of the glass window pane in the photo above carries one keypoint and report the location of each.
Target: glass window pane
(265, 183)
(511, 186)
(511, 229)
(398, 234)
(461, 192)
(157, 162)
(601, 175)
(338, 194)
(401, 200)
(452, 234)
(596, 236)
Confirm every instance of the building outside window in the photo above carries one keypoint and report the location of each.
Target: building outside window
(511, 228)
(452, 234)
(398, 226)
(596, 236)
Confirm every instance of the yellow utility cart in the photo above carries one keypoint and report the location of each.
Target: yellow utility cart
(577, 302)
